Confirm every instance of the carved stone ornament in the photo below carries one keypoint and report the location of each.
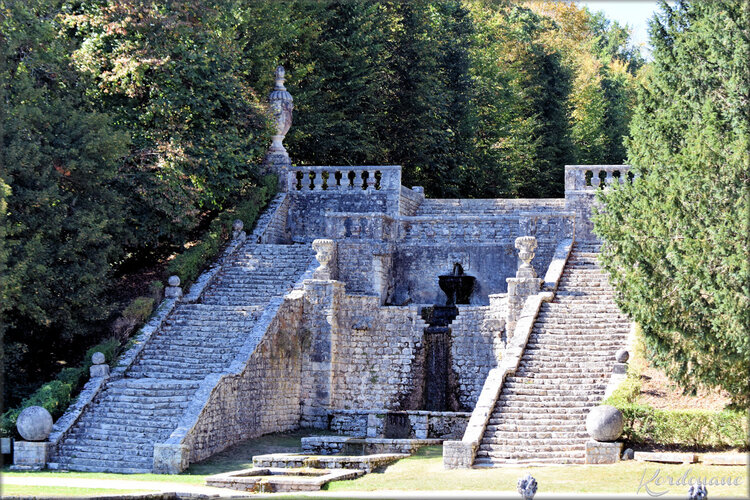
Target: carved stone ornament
(325, 250)
(526, 246)
(281, 104)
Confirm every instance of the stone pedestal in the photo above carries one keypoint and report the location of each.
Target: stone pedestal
(171, 458)
(99, 370)
(603, 453)
(523, 285)
(458, 455)
(321, 312)
(30, 455)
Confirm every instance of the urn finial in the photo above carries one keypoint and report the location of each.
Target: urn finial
(281, 104)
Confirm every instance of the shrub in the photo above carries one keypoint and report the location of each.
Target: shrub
(139, 309)
(55, 396)
(645, 424)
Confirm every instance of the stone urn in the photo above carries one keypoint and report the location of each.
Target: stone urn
(526, 246)
(325, 252)
(281, 104)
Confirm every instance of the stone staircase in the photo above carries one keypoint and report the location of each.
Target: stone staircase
(131, 414)
(540, 416)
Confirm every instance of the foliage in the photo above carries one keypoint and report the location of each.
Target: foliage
(63, 211)
(55, 396)
(677, 238)
(169, 71)
(139, 309)
(698, 428)
(189, 264)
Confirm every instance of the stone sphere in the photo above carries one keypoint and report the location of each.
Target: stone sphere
(604, 423)
(622, 356)
(97, 358)
(238, 225)
(174, 281)
(34, 423)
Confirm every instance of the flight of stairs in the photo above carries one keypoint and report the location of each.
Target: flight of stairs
(540, 416)
(117, 433)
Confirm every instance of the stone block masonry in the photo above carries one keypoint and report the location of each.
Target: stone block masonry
(266, 340)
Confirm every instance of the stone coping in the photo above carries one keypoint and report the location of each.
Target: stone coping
(296, 460)
(557, 265)
(360, 440)
(273, 479)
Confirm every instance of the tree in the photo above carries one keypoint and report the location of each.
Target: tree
(170, 73)
(676, 239)
(64, 214)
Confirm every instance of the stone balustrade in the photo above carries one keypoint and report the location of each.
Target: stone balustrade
(592, 177)
(310, 179)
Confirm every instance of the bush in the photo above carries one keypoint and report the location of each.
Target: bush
(139, 309)
(189, 264)
(55, 396)
(703, 428)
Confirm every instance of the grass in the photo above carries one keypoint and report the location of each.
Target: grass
(424, 472)
(62, 491)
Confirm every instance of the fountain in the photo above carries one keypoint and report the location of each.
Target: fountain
(438, 384)
(457, 285)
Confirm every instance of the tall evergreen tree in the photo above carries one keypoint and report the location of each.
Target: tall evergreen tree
(64, 215)
(677, 237)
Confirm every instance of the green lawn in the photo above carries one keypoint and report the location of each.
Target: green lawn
(424, 472)
(61, 491)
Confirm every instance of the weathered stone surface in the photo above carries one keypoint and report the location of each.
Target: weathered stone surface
(98, 358)
(622, 356)
(603, 452)
(267, 340)
(30, 455)
(666, 457)
(99, 370)
(34, 423)
(628, 454)
(604, 423)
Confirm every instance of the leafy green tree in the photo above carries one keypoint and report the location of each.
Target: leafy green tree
(64, 214)
(677, 237)
(170, 72)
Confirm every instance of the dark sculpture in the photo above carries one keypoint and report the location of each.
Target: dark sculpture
(457, 285)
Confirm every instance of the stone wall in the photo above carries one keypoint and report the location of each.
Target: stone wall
(476, 350)
(411, 199)
(374, 423)
(502, 206)
(262, 398)
(373, 353)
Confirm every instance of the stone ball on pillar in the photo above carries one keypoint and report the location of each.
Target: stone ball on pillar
(98, 358)
(174, 281)
(34, 423)
(604, 423)
(622, 356)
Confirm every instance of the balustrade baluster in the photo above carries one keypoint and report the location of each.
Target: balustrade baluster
(595, 179)
(370, 179)
(610, 179)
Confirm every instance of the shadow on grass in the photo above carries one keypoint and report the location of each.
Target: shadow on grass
(240, 455)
